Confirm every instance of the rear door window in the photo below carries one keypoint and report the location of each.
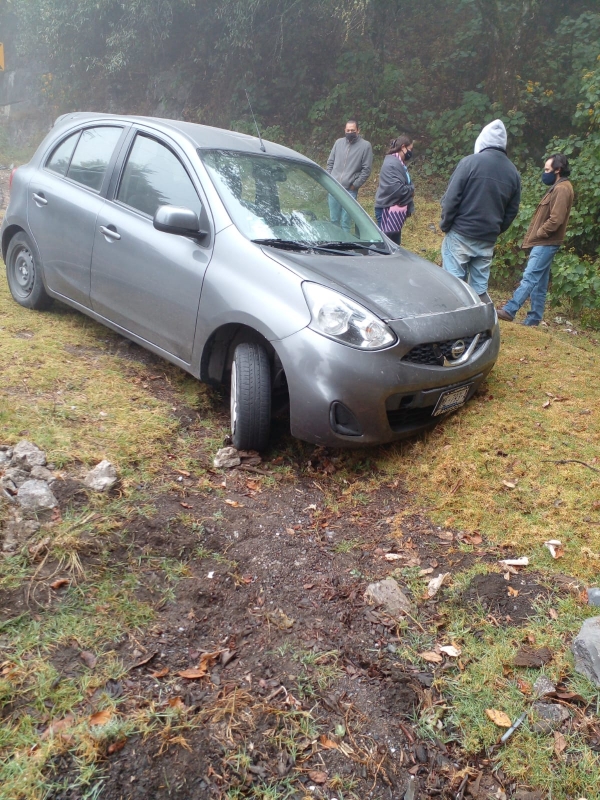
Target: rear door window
(154, 177)
(92, 155)
(61, 157)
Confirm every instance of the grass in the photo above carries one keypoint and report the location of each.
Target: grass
(489, 468)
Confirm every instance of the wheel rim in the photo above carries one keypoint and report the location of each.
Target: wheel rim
(23, 272)
(233, 406)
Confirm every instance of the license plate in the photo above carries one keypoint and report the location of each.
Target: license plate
(451, 399)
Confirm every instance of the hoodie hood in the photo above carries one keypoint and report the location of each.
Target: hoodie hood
(493, 135)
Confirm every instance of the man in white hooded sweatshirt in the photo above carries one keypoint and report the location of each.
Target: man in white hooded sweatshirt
(480, 203)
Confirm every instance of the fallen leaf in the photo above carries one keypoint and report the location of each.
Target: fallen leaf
(328, 744)
(553, 613)
(513, 592)
(445, 536)
(425, 572)
(451, 650)
(160, 673)
(499, 718)
(143, 661)
(560, 743)
(193, 673)
(183, 472)
(435, 584)
(555, 547)
(473, 538)
(116, 746)
(234, 503)
(392, 556)
(59, 725)
(530, 657)
(207, 660)
(546, 404)
(253, 485)
(318, 776)
(176, 702)
(100, 717)
(186, 505)
(515, 562)
(523, 686)
(308, 586)
(280, 619)
(433, 658)
(59, 583)
(89, 659)
(509, 484)
(290, 531)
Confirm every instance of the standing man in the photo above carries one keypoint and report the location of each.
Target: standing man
(544, 236)
(480, 203)
(350, 163)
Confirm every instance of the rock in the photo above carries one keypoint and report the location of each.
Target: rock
(388, 594)
(523, 794)
(16, 531)
(593, 597)
(8, 487)
(42, 474)
(5, 455)
(226, 458)
(549, 717)
(28, 453)
(102, 478)
(543, 686)
(16, 475)
(586, 649)
(36, 496)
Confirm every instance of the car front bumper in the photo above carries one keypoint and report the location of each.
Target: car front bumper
(388, 397)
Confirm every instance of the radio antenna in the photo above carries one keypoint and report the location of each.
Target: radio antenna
(262, 146)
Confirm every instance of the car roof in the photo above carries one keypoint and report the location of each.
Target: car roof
(203, 136)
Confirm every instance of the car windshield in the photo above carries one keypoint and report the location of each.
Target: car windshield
(284, 200)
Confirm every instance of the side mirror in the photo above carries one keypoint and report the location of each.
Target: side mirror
(180, 221)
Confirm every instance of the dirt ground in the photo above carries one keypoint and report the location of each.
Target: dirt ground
(301, 678)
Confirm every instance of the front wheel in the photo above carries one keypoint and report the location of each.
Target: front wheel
(24, 275)
(250, 397)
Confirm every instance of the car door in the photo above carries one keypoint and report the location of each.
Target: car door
(146, 281)
(64, 198)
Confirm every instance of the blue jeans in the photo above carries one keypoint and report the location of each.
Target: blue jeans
(534, 284)
(468, 259)
(337, 214)
(395, 237)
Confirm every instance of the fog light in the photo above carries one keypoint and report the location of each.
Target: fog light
(343, 420)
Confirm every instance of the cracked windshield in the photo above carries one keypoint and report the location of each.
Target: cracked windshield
(275, 198)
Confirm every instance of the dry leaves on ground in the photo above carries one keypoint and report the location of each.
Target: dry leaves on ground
(499, 718)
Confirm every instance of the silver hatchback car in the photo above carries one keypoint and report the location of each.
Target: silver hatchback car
(231, 258)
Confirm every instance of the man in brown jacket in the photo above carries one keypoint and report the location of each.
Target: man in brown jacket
(545, 235)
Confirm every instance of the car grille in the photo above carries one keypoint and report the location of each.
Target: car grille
(434, 352)
(409, 417)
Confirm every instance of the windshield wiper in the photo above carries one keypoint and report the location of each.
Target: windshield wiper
(292, 244)
(355, 246)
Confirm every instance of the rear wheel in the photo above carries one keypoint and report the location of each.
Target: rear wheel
(250, 397)
(23, 273)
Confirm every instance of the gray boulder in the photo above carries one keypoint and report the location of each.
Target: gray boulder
(586, 649)
(28, 453)
(549, 717)
(16, 475)
(35, 496)
(102, 478)
(390, 596)
(5, 454)
(42, 474)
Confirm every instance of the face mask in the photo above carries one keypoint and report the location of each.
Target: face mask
(351, 137)
(408, 155)
(549, 178)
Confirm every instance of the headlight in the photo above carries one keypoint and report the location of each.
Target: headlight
(340, 318)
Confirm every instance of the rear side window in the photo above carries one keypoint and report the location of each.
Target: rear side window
(61, 157)
(92, 155)
(154, 177)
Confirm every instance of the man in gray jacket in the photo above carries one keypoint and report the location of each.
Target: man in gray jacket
(350, 162)
(480, 203)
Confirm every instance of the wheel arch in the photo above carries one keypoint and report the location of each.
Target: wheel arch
(218, 350)
(7, 234)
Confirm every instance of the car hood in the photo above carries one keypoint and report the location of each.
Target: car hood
(395, 286)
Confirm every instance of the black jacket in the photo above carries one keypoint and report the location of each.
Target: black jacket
(394, 188)
(482, 198)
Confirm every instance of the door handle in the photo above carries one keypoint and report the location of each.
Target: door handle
(40, 199)
(110, 233)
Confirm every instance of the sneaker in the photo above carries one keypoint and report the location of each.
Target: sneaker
(502, 314)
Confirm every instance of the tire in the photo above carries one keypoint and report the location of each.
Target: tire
(250, 397)
(24, 274)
